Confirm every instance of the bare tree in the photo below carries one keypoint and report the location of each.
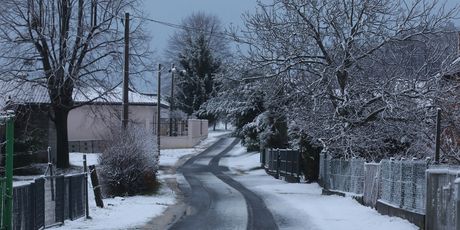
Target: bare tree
(68, 46)
(356, 73)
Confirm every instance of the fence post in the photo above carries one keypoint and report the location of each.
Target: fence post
(286, 156)
(96, 187)
(299, 158)
(414, 183)
(293, 152)
(262, 157)
(438, 136)
(278, 164)
(401, 184)
(392, 181)
(85, 170)
(457, 204)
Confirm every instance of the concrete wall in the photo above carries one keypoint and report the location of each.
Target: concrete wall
(197, 131)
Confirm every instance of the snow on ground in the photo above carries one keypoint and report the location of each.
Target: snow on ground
(123, 213)
(132, 212)
(301, 206)
(76, 159)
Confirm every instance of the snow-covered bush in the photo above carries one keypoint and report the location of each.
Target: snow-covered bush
(129, 163)
(250, 137)
(272, 129)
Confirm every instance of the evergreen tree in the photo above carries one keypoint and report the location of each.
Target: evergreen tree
(200, 52)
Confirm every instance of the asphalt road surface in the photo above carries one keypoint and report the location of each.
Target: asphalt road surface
(214, 199)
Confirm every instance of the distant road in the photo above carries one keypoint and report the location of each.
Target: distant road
(214, 199)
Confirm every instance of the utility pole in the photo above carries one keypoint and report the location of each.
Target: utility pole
(159, 108)
(126, 75)
(171, 103)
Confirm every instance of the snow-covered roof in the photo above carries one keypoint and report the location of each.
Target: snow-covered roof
(33, 93)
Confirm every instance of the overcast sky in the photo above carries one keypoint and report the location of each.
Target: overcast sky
(173, 11)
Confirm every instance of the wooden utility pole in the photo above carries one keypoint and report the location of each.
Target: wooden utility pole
(126, 75)
(159, 108)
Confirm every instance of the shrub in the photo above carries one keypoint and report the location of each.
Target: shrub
(129, 163)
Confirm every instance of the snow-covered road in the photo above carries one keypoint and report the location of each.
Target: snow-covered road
(216, 201)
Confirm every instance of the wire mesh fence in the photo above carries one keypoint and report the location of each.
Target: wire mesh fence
(403, 184)
(342, 175)
(48, 201)
(397, 183)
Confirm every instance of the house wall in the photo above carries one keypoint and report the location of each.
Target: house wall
(89, 126)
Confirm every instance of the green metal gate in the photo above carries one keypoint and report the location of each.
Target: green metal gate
(6, 182)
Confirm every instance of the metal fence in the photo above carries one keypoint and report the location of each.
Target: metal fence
(398, 183)
(403, 184)
(283, 163)
(442, 198)
(49, 201)
(28, 203)
(342, 175)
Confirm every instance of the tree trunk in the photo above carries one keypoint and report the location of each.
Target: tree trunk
(62, 138)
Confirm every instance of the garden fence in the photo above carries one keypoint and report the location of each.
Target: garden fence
(48, 201)
(283, 163)
(403, 184)
(443, 198)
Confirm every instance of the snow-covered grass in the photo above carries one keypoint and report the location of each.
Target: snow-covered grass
(301, 206)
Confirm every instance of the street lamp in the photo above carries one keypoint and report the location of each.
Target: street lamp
(173, 70)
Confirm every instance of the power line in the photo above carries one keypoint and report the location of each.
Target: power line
(223, 35)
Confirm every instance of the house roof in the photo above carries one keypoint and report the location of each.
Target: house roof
(20, 92)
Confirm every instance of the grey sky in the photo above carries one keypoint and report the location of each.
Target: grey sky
(173, 11)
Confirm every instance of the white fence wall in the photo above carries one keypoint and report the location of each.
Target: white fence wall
(197, 131)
